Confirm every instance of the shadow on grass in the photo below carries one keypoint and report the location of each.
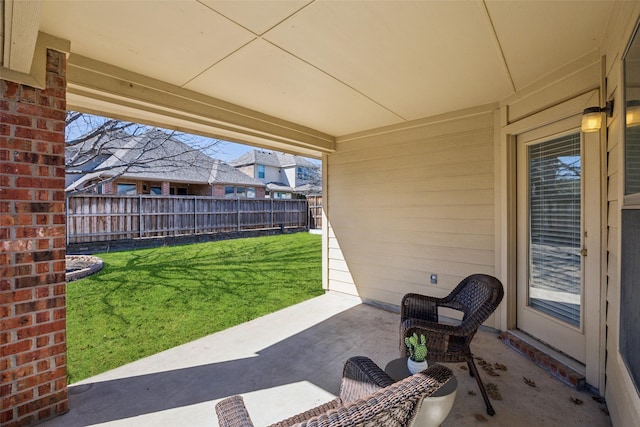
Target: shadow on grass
(146, 301)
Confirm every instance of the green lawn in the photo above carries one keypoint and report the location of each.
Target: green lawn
(149, 300)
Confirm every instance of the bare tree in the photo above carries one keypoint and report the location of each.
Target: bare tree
(99, 150)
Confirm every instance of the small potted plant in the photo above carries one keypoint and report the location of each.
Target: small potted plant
(417, 346)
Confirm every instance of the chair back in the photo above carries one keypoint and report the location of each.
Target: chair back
(477, 296)
(394, 406)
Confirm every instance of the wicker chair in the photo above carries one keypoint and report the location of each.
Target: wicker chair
(368, 397)
(477, 296)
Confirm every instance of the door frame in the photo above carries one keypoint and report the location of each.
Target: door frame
(589, 230)
(506, 224)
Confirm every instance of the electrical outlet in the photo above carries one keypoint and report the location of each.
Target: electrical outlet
(434, 279)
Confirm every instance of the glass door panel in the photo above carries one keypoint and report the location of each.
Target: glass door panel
(555, 270)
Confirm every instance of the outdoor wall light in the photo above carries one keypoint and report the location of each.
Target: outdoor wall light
(592, 117)
(633, 113)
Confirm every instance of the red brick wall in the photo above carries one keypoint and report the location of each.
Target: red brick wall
(166, 188)
(218, 190)
(33, 384)
(108, 188)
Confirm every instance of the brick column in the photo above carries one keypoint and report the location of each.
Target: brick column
(33, 385)
(108, 188)
(165, 188)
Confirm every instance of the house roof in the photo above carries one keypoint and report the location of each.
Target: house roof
(157, 156)
(278, 186)
(107, 142)
(309, 189)
(86, 154)
(271, 158)
(221, 172)
(301, 189)
(299, 75)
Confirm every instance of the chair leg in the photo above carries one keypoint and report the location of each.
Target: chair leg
(474, 373)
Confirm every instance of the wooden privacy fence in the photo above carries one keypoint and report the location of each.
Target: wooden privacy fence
(315, 211)
(94, 218)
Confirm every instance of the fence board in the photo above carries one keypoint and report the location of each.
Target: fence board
(97, 218)
(315, 211)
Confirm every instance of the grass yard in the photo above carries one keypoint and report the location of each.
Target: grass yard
(149, 300)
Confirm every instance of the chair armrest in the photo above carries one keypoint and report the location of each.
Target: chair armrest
(362, 377)
(232, 413)
(420, 307)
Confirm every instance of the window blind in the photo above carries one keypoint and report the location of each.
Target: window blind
(555, 227)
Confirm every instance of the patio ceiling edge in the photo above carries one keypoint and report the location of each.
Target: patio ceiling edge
(100, 88)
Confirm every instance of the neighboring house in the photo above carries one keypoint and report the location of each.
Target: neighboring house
(284, 174)
(156, 163)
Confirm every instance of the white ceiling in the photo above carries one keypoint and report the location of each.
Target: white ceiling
(337, 67)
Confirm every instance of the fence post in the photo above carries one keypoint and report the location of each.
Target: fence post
(271, 211)
(195, 214)
(66, 215)
(140, 216)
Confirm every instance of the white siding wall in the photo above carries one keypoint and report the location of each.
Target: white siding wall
(290, 176)
(621, 395)
(409, 202)
(271, 174)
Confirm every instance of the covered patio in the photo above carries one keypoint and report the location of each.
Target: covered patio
(432, 120)
(291, 360)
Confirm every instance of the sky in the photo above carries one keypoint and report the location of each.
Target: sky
(227, 151)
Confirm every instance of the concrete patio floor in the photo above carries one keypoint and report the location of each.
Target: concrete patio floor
(292, 360)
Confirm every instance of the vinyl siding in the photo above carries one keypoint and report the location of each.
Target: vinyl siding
(272, 174)
(621, 395)
(340, 279)
(406, 203)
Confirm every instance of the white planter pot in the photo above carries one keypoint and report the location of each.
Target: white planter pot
(415, 367)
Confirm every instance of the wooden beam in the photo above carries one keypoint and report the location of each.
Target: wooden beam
(100, 88)
(22, 20)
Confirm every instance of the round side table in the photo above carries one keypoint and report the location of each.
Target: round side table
(435, 408)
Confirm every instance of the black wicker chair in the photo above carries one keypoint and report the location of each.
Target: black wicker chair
(368, 396)
(477, 296)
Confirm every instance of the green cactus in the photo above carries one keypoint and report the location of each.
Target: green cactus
(417, 347)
